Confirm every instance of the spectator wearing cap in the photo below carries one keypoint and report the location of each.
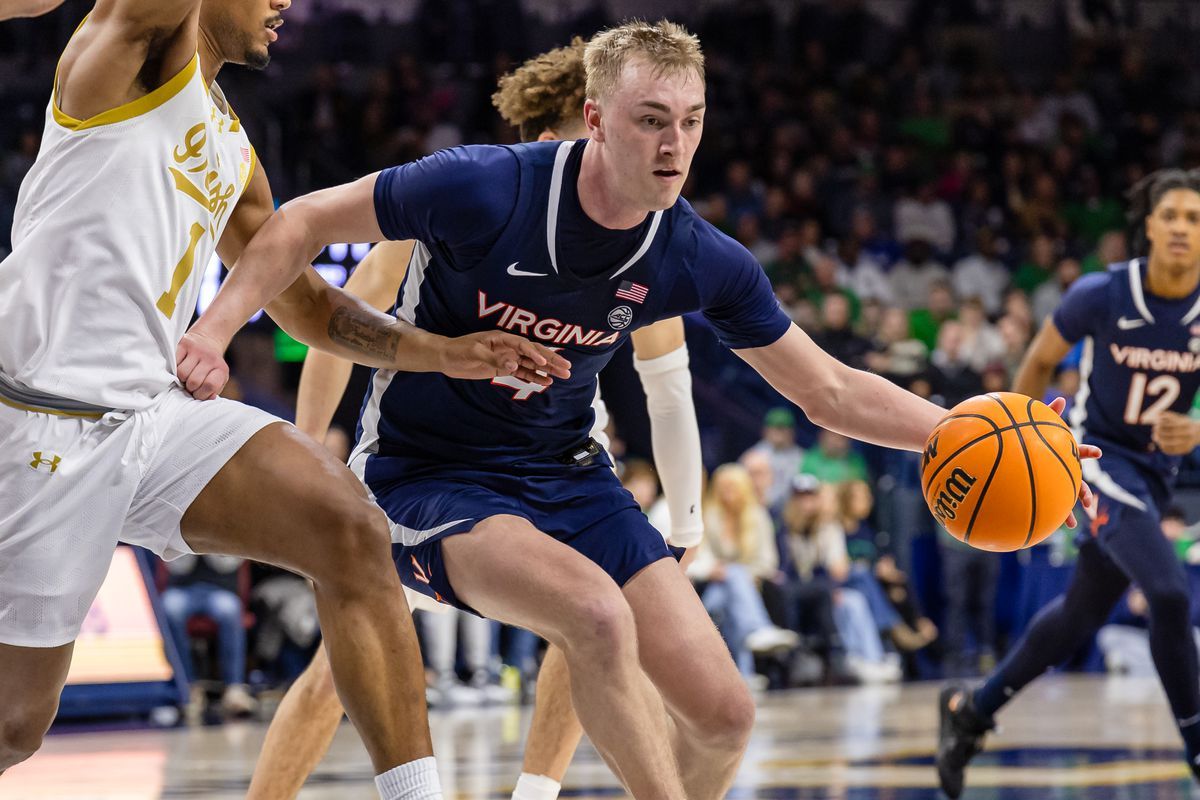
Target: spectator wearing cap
(778, 444)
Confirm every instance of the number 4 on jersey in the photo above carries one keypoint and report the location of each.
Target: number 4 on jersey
(523, 389)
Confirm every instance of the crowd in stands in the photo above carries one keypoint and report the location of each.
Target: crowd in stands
(921, 181)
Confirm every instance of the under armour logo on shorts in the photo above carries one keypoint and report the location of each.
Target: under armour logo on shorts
(39, 461)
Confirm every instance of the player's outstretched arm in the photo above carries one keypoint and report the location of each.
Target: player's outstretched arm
(661, 360)
(26, 8)
(852, 402)
(376, 280)
(272, 257)
(856, 403)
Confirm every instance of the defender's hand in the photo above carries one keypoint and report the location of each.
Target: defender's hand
(200, 365)
(1085, 451)
(493, 354)
(1175, 434)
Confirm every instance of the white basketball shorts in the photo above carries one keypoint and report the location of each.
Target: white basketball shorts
(71, 487)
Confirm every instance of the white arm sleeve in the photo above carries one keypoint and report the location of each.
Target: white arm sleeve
(675, 438)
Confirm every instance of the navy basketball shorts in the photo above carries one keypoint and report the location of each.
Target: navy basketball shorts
(1128, 496)
(584, 507)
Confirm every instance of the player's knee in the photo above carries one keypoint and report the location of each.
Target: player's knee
(356, 538)
(728, 726)
(602, 626)
(21, 732)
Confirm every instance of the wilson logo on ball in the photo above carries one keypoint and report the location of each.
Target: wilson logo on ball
(930, 451)
(952, 494)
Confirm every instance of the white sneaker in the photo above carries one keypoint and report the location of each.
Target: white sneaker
(237, 701)
(772, 640)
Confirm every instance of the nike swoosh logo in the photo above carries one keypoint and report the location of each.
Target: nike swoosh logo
(1129, 324)
(520, 273)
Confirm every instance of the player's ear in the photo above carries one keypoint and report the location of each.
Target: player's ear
(591, 118)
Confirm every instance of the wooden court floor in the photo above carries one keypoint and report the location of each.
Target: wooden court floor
(1066, 737)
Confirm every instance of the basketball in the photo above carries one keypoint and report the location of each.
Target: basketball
(1001, 471)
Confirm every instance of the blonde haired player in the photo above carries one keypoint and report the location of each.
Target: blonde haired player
(504, 506)
(544, 100)
(144, 171)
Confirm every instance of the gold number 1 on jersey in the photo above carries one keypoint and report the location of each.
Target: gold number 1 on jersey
(166, 303)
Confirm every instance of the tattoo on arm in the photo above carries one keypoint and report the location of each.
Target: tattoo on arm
(363, 333)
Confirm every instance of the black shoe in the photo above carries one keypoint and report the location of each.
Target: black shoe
(960, 738)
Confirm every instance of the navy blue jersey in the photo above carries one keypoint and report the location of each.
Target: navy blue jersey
(1141, 356)
(504, 244)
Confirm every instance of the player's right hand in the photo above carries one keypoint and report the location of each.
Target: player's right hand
(200, 365)
(494, 354)
(1175, 434)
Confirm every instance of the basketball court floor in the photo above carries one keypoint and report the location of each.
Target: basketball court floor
(1066, 737)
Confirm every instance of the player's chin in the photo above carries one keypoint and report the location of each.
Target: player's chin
(257, 57)
(664, 199)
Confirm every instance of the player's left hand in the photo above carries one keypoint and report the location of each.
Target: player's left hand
(1175, 434)
(200, 365)
(494, 354)
(1085, 451)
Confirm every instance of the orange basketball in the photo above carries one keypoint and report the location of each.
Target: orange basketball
(1001, 471)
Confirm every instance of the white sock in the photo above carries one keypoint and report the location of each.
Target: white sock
(416, 780)
(536, 787)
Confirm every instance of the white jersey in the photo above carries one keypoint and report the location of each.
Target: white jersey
(114, 226)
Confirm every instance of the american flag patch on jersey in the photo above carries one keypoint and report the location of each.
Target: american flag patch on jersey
(245, 154)
(628, 290)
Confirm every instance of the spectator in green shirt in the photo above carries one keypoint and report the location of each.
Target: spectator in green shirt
(833, 460)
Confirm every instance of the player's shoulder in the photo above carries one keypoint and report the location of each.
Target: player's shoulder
(1098, 284)
(710, 243)
(470, 162)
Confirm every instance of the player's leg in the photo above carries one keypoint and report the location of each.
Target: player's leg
(299, 735)
(554, 733)
(512, 572)
(689, 663)
(284, 500)
(33, 680)
(1136, 543)
(1055, 633)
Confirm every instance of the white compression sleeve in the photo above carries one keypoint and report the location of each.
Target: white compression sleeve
(675, 438)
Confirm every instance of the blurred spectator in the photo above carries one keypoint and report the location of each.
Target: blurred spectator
(834, 460)
(913, 276)
(969, 591)
(1049, 294)
(896, 353)
(870, 568)
(982, 275)
(1111, 249)
(836, 336)
(1039, 267)
(207, 585)
(952, 378)
(736, 554)
(926, 321)
(925, 217)
(982, 344)
(778, 444)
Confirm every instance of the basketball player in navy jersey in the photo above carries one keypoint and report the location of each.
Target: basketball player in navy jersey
(544, 100)
(499, 501)
(1140, 325)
